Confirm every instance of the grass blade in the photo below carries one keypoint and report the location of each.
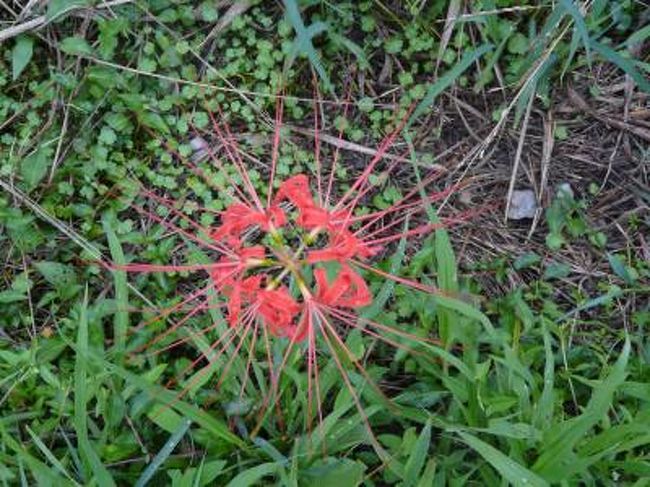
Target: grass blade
(510, 470)
(579, 22)
(168, 399)
(252, 476)
(164, 453)
(446, 80)
(89, 456)
(386, 291)
(625, 64)
(49, 455)
(41, 472)
(447, 280)
(561, 439)
(418, 456)
(467, 310)
(303, 42)
(121, 320)
(544, 411)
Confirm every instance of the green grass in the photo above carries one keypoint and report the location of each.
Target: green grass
(541, 383)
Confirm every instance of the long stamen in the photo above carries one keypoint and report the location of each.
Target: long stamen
(233, 152)
(319, 182)
(312, 346)
(373, 440)
(191, 165)
(249, 361)
(170, 226)
(384, 146)
(330, 181)
(276, 147)
(223, 171)
(166, 312)
(351, 357)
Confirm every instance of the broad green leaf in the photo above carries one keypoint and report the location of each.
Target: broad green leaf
(75, 45)
(518, 43)
(57, 274)
(620, 269)
(556, 270)
(34, 167)
(152, 120)
(527, 260)
(58, 8)
(21, 54)
(12, 296)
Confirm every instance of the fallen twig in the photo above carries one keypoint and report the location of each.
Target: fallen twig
(581, 104)
(43, 20)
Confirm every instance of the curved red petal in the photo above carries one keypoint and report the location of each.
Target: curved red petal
(296, 189)
(278, 309)
(238, 217)
(343, 247)
(348, 289)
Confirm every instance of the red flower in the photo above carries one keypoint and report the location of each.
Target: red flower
(252, 280)
(278, 309)
(241, 292)
(313, 217)
(296, 189)
(343, 247)
(348, 290)
(238, 217)
(246, 256)
(316, 217)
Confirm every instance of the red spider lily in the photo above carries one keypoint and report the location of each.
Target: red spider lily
(261, 278)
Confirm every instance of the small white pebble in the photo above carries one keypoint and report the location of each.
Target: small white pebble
(522, 204)
(198, 143)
